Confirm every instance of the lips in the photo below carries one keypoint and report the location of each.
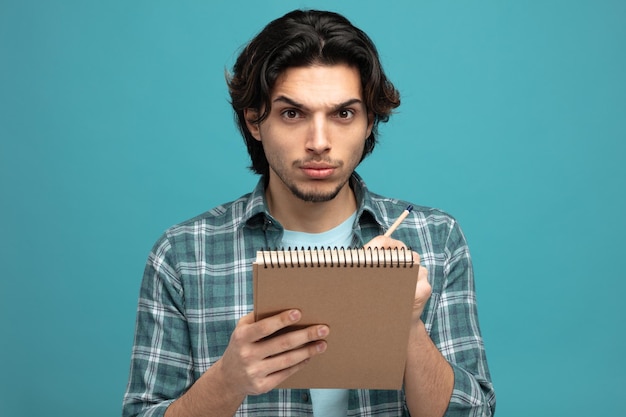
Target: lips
(317, 171)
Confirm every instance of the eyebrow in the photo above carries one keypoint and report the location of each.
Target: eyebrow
(291, 102)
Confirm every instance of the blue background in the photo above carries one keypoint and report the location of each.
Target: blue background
(115, 124)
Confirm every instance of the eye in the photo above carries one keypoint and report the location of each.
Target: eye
(290, 114)
(345, 114)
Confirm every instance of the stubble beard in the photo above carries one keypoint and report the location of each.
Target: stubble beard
(315, 197)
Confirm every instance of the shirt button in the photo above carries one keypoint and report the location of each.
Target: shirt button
(305, 397)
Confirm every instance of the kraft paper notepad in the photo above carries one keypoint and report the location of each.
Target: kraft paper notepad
(365, 296)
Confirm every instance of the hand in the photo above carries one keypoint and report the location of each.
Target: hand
(254, 364)
(422, 288)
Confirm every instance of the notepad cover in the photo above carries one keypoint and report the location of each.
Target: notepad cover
(366, 303)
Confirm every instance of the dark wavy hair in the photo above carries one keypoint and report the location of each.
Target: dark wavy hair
(303, 38)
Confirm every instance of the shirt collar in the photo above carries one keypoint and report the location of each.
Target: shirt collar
(255, 209)
(367, 208)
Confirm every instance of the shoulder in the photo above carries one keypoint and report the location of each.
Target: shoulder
(391, 208)
(386, 210)
(223, 219)
(430, 226)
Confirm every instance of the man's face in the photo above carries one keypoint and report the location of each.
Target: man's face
(314, 134)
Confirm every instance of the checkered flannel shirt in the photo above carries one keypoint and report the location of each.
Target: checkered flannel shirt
(198, 283)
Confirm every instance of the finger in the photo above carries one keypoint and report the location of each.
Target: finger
(268, 326)
(422, 287)
(422, 274)
(292, 340)
(423, 291)
(416, 258)
(282, 366)
(384, 242)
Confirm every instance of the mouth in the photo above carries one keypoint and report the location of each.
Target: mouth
(317, 171)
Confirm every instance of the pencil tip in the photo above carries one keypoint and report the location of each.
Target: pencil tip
(409, 208)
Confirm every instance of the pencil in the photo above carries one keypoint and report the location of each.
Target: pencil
(395, 224)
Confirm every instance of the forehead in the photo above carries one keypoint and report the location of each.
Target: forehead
(319, 83)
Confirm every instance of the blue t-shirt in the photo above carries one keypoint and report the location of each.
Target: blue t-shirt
(326, 402)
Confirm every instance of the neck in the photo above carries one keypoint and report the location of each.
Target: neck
(304, 216)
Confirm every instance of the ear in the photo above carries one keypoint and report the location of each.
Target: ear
(370, 123)
(251, 115)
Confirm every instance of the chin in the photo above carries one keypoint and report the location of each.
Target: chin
(315, 196)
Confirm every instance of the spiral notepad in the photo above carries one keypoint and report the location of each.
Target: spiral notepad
(365, 296)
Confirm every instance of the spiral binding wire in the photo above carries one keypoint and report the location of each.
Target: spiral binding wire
(330, 257)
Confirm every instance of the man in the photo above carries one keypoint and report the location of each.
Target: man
(309, 93)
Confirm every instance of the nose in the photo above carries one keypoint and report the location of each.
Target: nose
(318, 136)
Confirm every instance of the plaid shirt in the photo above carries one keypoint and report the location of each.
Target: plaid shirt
(198, 283)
